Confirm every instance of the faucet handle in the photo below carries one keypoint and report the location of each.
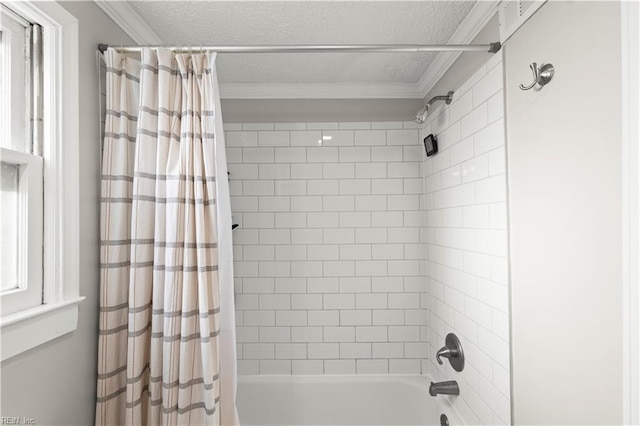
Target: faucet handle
(453, 351)
(446, 353)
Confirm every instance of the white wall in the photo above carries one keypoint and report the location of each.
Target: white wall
(56, 383)
(466, 237)
(564, 155)
(328, 254)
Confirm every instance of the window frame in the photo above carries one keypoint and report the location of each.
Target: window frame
(58, 314)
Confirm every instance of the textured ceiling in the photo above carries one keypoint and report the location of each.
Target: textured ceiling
(309, 22)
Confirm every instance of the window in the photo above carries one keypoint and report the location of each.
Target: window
(39, 235)
(21, 216)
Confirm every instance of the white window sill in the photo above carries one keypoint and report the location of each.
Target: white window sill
(32, 327)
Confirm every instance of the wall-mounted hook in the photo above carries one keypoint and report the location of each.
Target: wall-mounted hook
(541, 75)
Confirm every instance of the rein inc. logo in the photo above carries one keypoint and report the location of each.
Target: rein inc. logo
(17, 421)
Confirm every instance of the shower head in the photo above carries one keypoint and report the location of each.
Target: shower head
(421, 114)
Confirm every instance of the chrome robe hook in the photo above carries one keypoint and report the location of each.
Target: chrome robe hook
(541, 75)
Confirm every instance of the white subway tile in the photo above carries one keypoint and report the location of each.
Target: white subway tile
(403, 137)
(232, 127)
(371, 301)
(234, 155)
(341, 366)
(244, 204)
(322, 285)
(258, 252)
(339, 236)
(257, 126)
(290, 220)
(243, 171)
(258, 351)
(355, 125)
(275, 301)
(388, 317)
(403, 170)
(461, 107)
(241, 139)
(324, 317)
(493, 294)
(273, 138)
(275, 334)
(489, 138)
(291, 318)
(257, 187)
(413, 186)
(371, 137)
(387, 186)
(290, 285)
(416, 350)
(371, 334)
(274, 171)
(474, 121)
(307, 367)
(338, 203)
(355, 219)
(404, 333)
(290, 155)
(404, 366)
(354, 154)
(290, 126)
(247, 334)
(291, 350)
(404, 235)
(306, 301)
(371, 268)
(413, 153)
(355, 350)
(306, 171)
(491, 190)
(386, 153)
(491, 83)
(355, 252)
(355, 317)
(306, 269)
(326, 125)
(339, 334)
(463, 195)
(275, 236)
(306, 204)
(371, 202)
(322, 220)
(495, 347)
(289, 252)
(475, 216)
(257, 155)
(387, 219)
(274, 204)
(339, 301)
(338, 269)
(324, 351)
(306, 335)
(322, 155)
(274, 269)
(386, 285)
(323, 252)
(258, 285)
(497, 161)
(371, 235)
(290, 187)
(387, 350)
(305, 138)
(404, 300)
(323, 187)
(495, 106)
(371, 170)
(306, 236)
(246, 302)
(338, 171)
(337, 137)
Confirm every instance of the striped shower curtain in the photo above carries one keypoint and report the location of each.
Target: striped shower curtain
(166, 341)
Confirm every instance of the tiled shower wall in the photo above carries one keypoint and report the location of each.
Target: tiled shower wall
(466, 239)
(329, 264)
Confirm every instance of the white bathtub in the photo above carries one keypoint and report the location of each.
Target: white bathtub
(340, 400)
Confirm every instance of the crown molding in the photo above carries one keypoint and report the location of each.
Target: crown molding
(319, 91)
(130, 21)
(468, 29)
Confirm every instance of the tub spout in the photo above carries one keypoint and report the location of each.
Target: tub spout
(444, 388)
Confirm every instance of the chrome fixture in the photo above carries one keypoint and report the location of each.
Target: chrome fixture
(444, 388)
(453, 351)
(444, 421)
(421, 114)
(359, 48)
(541, 75)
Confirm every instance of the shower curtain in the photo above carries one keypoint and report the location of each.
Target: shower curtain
(167, 331)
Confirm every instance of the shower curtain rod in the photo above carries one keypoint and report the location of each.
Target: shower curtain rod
(358, 48)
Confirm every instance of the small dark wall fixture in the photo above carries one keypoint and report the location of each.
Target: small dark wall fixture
(430, 145)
